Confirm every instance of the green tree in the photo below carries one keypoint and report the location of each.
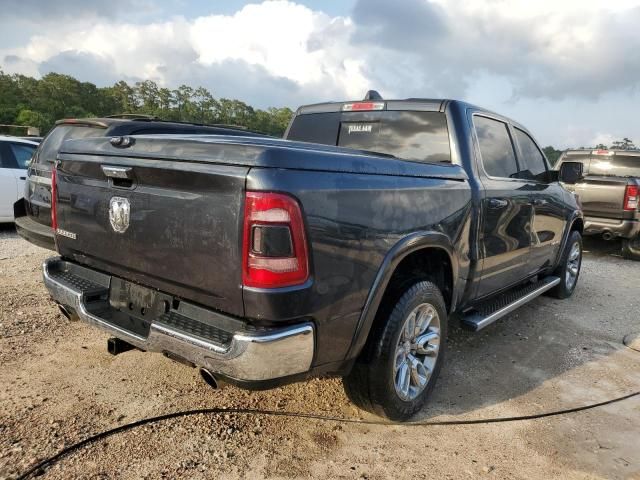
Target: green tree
(33, 119)
(147, 97)
(205, 105)
(624, 144)
(552, 154)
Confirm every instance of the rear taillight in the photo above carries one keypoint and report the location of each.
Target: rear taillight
(274, 247)
(54, 200)
(631, 197)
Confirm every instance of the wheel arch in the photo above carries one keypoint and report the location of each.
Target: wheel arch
(577, 225)
(418, 249)
(574, 223)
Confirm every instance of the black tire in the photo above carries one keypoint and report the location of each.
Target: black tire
(631, 248)
(564, 289)
(371, 383)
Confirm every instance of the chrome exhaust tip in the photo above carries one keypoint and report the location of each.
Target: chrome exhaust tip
(64, 311)
(209, 378)
(69, 313)
(607, 236)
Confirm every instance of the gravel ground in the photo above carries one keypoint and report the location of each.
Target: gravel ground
(61, 385)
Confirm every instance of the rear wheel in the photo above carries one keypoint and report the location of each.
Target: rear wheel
(569, 268)
(631, 248)
(401, 362)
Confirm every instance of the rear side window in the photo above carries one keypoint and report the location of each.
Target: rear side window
(532, 164)
(51, 144)
(496, 147)
(22, 152)
(415, 136)
(319, 128)
(6, 158)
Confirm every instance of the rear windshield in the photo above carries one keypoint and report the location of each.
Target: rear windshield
(51, 144)
(416, 136)
(616, 165)
(620, 165)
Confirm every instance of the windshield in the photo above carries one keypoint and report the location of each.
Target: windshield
(51, 144)
(416, 136)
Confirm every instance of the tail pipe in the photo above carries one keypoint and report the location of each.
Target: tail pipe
(68, 312)
(209, 378)
(607, 235)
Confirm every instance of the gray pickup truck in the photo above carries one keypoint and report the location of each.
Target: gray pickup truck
(343, 249)
(607, 183)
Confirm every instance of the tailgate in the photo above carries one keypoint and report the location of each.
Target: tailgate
(181, 233)
(602, 196)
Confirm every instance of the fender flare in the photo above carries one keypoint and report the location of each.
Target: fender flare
(575, 216)
(404, 247)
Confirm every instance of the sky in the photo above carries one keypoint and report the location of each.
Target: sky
(569, 70)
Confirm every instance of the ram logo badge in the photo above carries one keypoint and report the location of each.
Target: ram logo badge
(119, 210)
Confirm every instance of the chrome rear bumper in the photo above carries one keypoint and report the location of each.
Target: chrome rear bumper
(617, 228)
(189, 332)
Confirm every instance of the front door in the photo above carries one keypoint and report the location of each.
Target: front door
(506, 210)
(549, 216)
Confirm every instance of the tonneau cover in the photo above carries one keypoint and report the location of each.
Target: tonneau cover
(261, 152)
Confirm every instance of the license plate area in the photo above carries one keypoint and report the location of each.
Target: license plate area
(142, 303)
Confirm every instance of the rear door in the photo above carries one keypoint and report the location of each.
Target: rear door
(505, 212)
(549, 215)
(22, 155)
(8, 183)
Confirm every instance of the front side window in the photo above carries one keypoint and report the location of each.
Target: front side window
(496, 148)
(532, 164)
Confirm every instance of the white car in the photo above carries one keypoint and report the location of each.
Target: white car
(15, 154)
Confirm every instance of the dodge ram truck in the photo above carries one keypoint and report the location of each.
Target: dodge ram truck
(607, 182)
(343, 249)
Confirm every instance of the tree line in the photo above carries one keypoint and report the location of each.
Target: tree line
(40, 102)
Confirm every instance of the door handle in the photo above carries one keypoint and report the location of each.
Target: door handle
(497, 203)
(538, 202)
(23, 178)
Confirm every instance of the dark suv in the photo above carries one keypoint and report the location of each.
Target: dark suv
(33, 212)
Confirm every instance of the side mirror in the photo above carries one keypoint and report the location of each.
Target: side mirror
(571, 172)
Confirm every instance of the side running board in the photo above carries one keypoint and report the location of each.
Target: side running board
(490, 311)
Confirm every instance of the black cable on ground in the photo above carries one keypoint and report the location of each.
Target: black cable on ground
(39, 468)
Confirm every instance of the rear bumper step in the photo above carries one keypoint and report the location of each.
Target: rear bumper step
(490, 311)
(186, 332)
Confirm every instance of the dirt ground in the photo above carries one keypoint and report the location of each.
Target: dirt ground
(60, 385)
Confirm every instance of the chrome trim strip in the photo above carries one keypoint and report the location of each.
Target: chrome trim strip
(116, 172)
(248, 357)
(40, 180)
